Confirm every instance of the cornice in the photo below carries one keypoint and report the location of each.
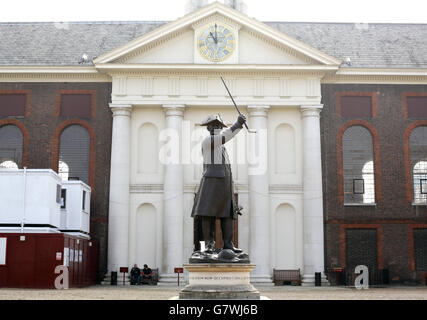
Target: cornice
(378, 76)
(51, 74)
(116, 68)
(104, 73)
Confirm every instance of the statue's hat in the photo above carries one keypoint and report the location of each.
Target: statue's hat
(213, 118)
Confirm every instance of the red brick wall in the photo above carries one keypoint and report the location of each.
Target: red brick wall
(393, 215)
(42, 126)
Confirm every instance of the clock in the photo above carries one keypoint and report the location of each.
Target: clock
(216, 42)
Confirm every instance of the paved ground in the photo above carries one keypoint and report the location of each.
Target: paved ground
(164, 292)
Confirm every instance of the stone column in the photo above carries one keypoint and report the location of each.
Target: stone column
(312, 198)
(173, 193)
(118, 218)
(259, 200)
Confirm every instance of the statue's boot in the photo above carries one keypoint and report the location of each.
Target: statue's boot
(208, 229)
(227, 235)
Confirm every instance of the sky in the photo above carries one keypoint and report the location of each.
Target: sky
(356, 11)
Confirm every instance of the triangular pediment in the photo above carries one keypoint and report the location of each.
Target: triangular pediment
(174, 43)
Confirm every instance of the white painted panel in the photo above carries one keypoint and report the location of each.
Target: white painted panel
(178, 49)
(255, 50)
(148, 149)
(135, 86)
(146, 235)
(285, 149)
(3, 242)
(285, 237)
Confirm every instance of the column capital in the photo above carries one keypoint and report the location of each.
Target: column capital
(121, 109)
(174, 109)
(258, 111)
(311, 110)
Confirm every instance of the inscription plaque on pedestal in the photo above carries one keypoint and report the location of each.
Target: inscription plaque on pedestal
(219, 281)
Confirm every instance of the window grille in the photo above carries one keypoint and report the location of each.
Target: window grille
(74, 153)
(418, 150)
(358, 166)
(11, 142)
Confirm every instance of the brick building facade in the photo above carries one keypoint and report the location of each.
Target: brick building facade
(42, 125)
(393, 216)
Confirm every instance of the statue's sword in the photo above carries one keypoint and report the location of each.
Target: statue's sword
(249, 130)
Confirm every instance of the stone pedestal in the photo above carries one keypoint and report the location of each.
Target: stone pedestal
(219, 281)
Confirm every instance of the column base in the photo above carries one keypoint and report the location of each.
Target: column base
(308, 280)
(107, 279)
(262, 279)
(172, 278)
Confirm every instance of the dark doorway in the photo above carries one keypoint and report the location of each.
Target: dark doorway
(361, 249)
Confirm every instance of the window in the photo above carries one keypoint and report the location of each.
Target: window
(3, 242)
(63, 198)
(420, 182)
(358, 166)
(11, 142)
(356, 107)
(8, 164)
(74, 152)
(368, 178)
(12, 104)
(84, 200)
(417, 106)
(76, 105)
(418, 150)
(420, 249)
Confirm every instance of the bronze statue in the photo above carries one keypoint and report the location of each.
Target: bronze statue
(215, 196)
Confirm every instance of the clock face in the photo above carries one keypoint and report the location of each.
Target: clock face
(216, 43)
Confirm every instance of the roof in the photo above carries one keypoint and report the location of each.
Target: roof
(63, 44)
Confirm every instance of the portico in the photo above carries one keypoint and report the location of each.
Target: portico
(162, 88)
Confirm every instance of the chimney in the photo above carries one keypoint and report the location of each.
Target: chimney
(193, 5)
(239, 5)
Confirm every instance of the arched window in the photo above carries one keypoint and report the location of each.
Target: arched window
(358, 166)
(418, 149)
(8, 164)
(11, 142)
(74, 152)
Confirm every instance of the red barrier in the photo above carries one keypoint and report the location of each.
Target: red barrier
(31, 259)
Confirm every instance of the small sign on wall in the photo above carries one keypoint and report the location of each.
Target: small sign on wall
(58, 256)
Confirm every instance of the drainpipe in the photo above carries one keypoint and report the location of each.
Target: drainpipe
(23, 201)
